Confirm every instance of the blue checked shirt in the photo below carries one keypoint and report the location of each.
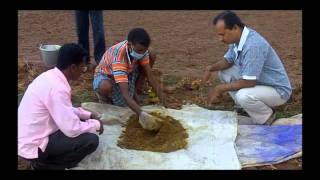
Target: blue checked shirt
(257, 60)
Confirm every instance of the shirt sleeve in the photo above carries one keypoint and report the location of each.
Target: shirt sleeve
(82, 113)
(119, 72)
(62, 112)
(252, 63)
(102, 67)
(230, 54)
(145, 60)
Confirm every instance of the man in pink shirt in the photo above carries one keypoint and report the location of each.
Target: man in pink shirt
(52, 134)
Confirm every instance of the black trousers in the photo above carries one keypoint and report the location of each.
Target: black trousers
(64, 152)
(82, 28)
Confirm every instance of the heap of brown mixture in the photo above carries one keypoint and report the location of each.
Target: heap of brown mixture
(170, 137)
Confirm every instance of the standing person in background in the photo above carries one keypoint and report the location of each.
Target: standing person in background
(82, 26)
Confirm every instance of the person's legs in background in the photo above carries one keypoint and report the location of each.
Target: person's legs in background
(96, 18)
(82, 28)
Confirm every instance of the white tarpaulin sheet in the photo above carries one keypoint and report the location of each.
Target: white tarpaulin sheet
(211, 141)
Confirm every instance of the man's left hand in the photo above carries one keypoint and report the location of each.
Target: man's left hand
(95, 116)
(100, 131)
(214, 95)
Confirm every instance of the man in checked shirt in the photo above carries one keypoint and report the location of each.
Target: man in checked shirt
(251, 70)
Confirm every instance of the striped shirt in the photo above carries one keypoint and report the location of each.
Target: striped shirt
(117, 62)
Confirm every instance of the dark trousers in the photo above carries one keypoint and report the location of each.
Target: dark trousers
(64, 152)
(82, 26)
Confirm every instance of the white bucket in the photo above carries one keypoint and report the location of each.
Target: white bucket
(49, 54)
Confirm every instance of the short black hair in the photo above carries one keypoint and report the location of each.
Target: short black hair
(70, 53)
(139, 35)
(230, 19)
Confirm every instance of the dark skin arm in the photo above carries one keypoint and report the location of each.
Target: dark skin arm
(131, 103)
(152, 82)
(220, 65)
(136, 98)
(101, 127)
(94, 115)
(216, 92)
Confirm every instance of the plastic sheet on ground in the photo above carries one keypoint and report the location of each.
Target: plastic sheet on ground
(211, 141)
(259, 145)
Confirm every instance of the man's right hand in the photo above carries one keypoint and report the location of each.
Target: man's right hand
(206, 77)
(163, 99)
(149, 122)
(129, 100)
(101, 127)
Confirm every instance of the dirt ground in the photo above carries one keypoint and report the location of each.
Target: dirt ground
(184, 42)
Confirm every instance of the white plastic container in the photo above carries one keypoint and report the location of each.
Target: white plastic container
(49, 54)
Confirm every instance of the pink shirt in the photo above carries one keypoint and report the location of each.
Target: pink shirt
(45, 108)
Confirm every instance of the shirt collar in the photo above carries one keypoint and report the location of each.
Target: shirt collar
(62, 77)
(127, 52)
(243, 38)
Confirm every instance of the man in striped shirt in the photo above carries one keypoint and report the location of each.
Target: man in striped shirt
(117, 73)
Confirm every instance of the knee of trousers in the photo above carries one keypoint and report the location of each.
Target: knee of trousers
(244, 99)
(90, 140)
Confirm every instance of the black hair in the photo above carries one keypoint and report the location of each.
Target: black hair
(139, 35)
(230, 19)
(69, 54)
